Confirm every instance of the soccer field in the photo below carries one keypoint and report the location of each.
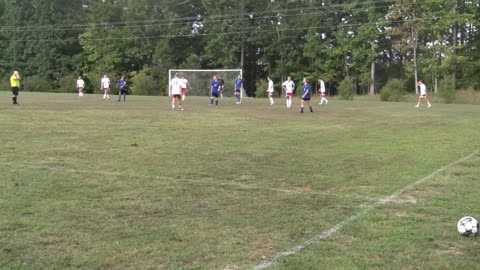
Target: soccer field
(92, 184)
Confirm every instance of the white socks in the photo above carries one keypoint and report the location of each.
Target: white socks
(271, 101)
(289, 103)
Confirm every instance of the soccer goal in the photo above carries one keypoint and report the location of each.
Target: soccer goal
(200, 80)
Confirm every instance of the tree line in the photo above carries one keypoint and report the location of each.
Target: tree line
(368, 42)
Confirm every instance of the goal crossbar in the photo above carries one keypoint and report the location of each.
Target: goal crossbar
(199, 79)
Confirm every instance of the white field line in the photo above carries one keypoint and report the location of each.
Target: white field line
(274, 260)
(197, 181)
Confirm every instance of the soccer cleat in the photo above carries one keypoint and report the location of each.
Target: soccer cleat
(429, 106)
(181, 109)
(416, 106)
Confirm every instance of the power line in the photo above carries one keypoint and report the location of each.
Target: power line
(312, 11)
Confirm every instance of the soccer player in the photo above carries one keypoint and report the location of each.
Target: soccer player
(306, 94)
(222, 85)
(80, 86)
(122, 89)
(423, 94)
(238, 88)
(176, 90)
(288, 86)
(215, 90)
(270, 90)
(105, 86)
(185, 86)
(322, 92)
(15, 84)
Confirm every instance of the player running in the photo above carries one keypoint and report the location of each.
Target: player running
(214, 90)
(185, 86)
(322, 92)
(176, 90)
(423, 94)
(105, 86)
(80, 86)
(122, 89)
(306, 94)
(288, 86)
(15, 84)
(270, 90)
(238, 89)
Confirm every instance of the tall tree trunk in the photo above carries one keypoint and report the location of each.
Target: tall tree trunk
(372, 73)
(454, 45)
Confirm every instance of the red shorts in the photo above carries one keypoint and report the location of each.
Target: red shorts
(184, 90)
(106, 89)
(176, 96)
(80, 89)
(289, 94)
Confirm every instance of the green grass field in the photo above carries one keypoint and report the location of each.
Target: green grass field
(91, 184)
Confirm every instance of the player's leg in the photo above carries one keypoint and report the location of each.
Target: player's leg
(15, 95)
(173, 102)
(428, 102)
(119, 95)
(211, 100)
(418, 103)
(179, 99)
(108, 96)
(308, 103)
(270, 97)
(216, 101)
(301, 105)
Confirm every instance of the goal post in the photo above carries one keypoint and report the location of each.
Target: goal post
(200, 80)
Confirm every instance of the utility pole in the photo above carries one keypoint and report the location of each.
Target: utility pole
(415, 44)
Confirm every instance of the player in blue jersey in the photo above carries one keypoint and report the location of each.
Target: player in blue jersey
(122, 89)
(238, 88)
(215, 90)
(306, 94)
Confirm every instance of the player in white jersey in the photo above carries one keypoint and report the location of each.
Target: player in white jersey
(176, 91)
(80, 86)
(322, 92)
(105, 86)
(185, 86)
(423, 94)
(270, 90)
(288, 86)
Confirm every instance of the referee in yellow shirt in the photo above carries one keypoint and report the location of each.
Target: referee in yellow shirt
(15, 83)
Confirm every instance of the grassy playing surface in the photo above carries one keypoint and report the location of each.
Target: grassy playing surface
(107, 185)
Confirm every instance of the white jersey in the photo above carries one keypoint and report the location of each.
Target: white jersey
(289, 85)
(105, 83)
(184, 83)
(270, 86)
(80, 83)
(322, 87)
(423, 89)
(176, 86)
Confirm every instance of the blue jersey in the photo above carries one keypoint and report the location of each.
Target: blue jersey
(122, 84)
(215, 86)
(307, 91)
(238, 84)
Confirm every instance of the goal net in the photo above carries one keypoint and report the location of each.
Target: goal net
(200, 80)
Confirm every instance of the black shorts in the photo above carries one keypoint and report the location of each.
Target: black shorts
(306, 99)
(15, 91)
(123, 91)
(237, 91)
(215, 94)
